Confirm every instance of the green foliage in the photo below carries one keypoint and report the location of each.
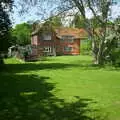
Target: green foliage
(52, 22)
(112, 49)
(78, 22)
(56, 21)
(95, 22)
(116, 51)
(115, 57)
(5, 24)
(48, 26)
(21, 34)
(86, 47)
(117, 20)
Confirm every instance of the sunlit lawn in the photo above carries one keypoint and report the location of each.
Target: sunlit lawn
(59, 88)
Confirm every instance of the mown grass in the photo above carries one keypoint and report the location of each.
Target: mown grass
(59, 88)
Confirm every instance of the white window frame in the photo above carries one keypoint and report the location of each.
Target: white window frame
(47, 36)
(47, 49)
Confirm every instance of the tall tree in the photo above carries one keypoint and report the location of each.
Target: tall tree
(21, 34)
(5, 25)
(96, 6)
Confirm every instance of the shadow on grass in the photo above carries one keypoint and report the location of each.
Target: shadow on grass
(14, 68)
(29, 97)
(40, 66)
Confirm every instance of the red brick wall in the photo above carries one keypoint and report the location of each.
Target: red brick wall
(75, 47)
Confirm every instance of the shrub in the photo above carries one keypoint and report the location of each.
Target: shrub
(86, 47)
(115, 57)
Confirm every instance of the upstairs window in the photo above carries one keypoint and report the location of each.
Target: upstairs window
(47, 36)
(67, 38)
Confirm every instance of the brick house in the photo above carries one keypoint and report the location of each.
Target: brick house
(60, 41)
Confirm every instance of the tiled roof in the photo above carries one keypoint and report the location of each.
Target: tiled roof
(77, 33)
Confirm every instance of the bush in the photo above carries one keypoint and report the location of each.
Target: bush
(115, 57)
(86, 47)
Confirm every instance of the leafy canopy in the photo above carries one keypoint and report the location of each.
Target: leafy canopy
(21, 34)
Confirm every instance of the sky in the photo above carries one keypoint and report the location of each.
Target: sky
(31, 16)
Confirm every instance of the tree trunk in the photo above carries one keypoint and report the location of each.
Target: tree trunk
(100, 56)
(1, 64)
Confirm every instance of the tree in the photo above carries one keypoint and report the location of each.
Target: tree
(114, 38)
(96, 6)
(5, 25)
(101, 7)
(21, 34)
(56, 21)
(117, 20)
(78, 22)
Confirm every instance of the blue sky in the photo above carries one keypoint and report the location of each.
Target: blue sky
(31, 16)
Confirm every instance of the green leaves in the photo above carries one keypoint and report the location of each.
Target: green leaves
(5, 24)
(78, 21)
(22, 33)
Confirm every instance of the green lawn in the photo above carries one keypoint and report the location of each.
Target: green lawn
(59, 88)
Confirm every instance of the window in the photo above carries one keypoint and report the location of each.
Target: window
(67, 49)
(46, 36)
(47, 49)
(67, 38)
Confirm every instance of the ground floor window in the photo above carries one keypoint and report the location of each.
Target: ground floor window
(47, 49)
(67, 49)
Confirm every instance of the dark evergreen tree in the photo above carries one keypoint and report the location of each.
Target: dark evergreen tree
(5, 24)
